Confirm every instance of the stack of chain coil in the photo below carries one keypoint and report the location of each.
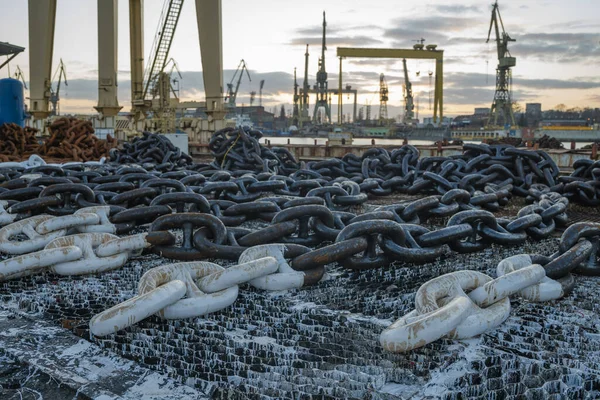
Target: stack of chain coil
(17, 142)
(239, 149)
(153, 149)
(70, 140)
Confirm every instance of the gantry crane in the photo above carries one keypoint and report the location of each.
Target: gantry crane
(428, 52)
(61, 71)
(409, 106)
(231, 93)
(502, 103)
(20, 76)
(383, 99)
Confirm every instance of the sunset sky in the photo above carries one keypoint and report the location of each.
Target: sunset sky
(557, 48)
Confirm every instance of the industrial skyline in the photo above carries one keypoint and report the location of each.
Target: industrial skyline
(557, 47)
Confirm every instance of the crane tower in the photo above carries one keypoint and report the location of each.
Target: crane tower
(231, 92)
(55, 94)
(409, 105)
(321, 86)
(502, 104)
(296, 112)
(383, 99)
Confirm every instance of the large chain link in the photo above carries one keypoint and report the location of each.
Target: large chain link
(464, 304)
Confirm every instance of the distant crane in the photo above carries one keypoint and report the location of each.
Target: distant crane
(20, 76)
(262, 84)
(61, 71)
(304, 99)
(296, 99)
(161, 46)
(409, 106)
(502, 103)
(155, 94)
(252, 97)
(231, 93)
(383, 99)
(321, 85)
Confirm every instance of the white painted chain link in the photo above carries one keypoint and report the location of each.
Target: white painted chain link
(182, 290)
(283, 278)
(464, 304)
(49, 246)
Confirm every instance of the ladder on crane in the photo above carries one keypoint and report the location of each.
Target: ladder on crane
(162, 45)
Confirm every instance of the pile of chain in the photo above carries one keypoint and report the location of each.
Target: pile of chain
(70, 140)
(583, 185)
(73, 139)
(506, 140)
(16, 142)
(151, 148)
(547, 142)
(238, 149)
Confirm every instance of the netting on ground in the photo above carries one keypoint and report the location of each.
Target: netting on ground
(322, 342)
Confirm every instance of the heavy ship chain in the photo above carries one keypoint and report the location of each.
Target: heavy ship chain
(458, 305)
(91, 202)
(370, 240)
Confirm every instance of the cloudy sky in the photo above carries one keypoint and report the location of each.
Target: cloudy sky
(557, 48)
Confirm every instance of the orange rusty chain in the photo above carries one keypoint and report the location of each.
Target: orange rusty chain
(70, 140)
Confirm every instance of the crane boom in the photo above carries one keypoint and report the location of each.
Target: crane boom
(20, 76)
(383, 99)
(61, 71)
(162, 44)
(409, 105)
(232, 94)
(502, 104)
(262, 84)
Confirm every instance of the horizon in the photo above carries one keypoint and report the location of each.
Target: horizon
(557, 49)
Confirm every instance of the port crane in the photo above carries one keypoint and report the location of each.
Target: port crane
(153, 94)
(320, 87)
(61, 71)
(304, 99)
(262, 84)
(427, 52)
(502, 103)
(296, 110)
(409, 105)
(20, 76)
(231, 93)
(383, 99)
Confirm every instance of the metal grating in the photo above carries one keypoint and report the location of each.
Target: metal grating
(322, 342)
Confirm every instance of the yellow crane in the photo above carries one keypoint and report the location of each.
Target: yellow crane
(502, 104)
